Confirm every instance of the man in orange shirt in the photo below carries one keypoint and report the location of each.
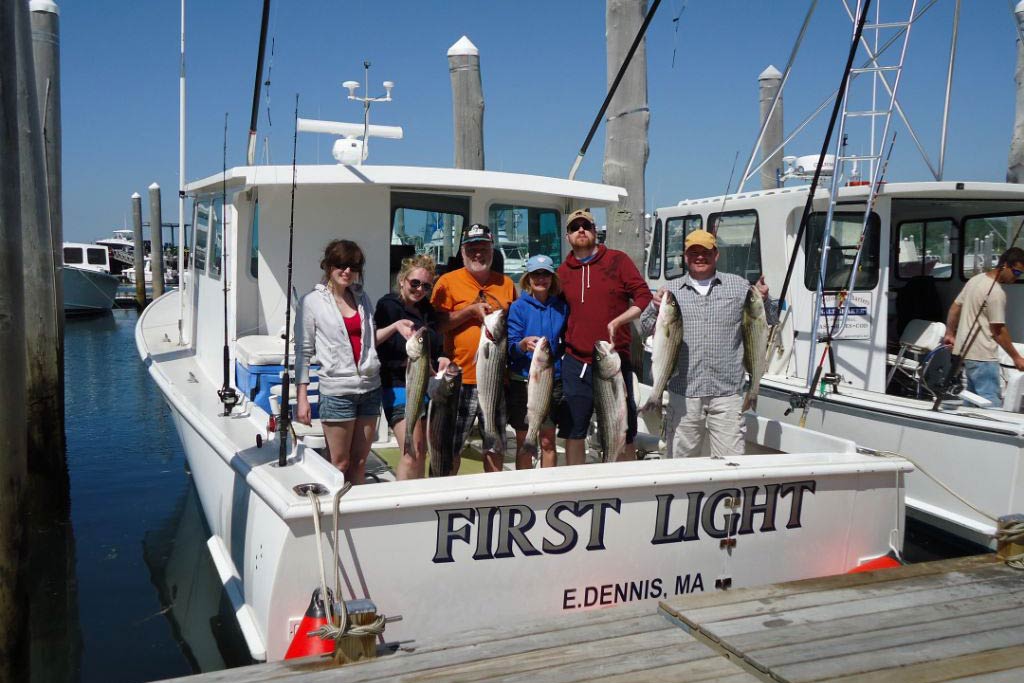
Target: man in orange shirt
(462, 298)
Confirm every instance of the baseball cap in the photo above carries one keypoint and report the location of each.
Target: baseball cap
(578, 214)
(540, 262)
(478, 232)
(700, 238)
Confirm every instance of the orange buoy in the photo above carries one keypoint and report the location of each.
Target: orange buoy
(303, 644)
(883, 562)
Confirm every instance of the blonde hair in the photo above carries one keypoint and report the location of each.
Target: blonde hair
(424, 261)
(554, 290)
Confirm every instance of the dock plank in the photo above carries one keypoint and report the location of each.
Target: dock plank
(940, 621)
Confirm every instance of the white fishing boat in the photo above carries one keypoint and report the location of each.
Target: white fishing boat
(465, 552)
(170, 274)
(880, 303)
(88, 285)
(121, 245)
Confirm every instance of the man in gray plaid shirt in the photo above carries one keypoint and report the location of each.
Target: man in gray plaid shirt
(705, 394)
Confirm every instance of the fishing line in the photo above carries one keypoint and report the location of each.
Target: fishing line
(675, 31)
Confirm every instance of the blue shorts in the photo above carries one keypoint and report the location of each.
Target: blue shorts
(393, 399)
(578, 399)
(349, 407)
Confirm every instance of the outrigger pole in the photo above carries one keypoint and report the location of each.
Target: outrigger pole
(250, 153)
(228, 395)
(285, 419)
(181, 185)
(614, 86)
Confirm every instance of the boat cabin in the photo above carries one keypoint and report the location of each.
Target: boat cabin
(392, 212)
(87, 256)
(924, 241)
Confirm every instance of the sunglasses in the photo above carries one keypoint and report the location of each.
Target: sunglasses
(576, 227)
(354, 267)
(1016, 273)
(420, 284)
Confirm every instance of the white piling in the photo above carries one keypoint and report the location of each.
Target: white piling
(467, 104)
(156, 239)
(14, 628)
(625, 147)
(1015, 165)
(139, 251)
(768, 84)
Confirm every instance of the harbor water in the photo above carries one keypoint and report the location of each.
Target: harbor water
(149, 602)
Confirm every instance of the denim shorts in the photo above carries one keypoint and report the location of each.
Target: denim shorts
(348, 407)
(393, 399)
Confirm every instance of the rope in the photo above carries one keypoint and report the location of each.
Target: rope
(324, 595)
(343, 615)
(1012, 533)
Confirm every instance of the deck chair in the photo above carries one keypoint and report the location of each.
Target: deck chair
(1013, 387)
(918, 339)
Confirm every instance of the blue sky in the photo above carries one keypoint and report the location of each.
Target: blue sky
(544, 76)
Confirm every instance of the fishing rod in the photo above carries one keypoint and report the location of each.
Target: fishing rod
(975, 329)
(614, 86)
(250, 153)
(844, 297)
(808, 205)
(228, 396)
(285, 419)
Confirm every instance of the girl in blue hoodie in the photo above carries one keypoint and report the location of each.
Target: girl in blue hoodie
(539, 312)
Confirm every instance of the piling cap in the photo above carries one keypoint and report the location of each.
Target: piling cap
(463, 46)
(154, 186)
(136, 195)
(773, 74)
(1019, 9)
(44, 6)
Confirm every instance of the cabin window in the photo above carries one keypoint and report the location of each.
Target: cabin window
(426, 224)
(216, 238)
(676, 230)
(72, 255)
(202, 225)
(96, 257)
(924, 249)
(739, 243)
(254, 241)
(986, 238)
(846, 231)
(524, 231)
(654, 264)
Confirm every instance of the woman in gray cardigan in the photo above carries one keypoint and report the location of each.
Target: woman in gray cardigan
(335, 323)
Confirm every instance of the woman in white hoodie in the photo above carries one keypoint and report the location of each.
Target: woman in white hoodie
(335, 323)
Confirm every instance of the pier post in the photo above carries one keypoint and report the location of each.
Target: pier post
(467, 104)
(156, 239)
(768, 84)
(14, 631)
(139, 251)
(625, 146)
(1015, 166)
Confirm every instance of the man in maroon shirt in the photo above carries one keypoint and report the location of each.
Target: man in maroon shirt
(605, 292)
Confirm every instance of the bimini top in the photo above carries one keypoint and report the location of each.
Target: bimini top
(407, 177)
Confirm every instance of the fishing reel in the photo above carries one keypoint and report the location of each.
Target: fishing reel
(229, 398)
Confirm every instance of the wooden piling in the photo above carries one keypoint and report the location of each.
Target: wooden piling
(1015, 165)
(467, 104)
(156, 239)
(14, 630)
(625, 147)
(139, 251)
(768, 83)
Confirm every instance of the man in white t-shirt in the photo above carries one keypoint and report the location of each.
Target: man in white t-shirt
(979, 344)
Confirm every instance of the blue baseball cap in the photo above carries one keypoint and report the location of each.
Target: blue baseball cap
(540, 262)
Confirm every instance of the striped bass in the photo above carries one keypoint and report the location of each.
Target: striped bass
(538, 393)
(755, 344)
(442, 413)
(609, 400)
(667, 338)
(417, 373)
(491, 367)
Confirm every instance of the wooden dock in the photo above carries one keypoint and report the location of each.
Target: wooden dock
(951, 620)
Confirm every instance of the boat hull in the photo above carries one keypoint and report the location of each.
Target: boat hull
(982, 464)
(88, 291)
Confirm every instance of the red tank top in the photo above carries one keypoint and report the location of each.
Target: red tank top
(354, 327)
